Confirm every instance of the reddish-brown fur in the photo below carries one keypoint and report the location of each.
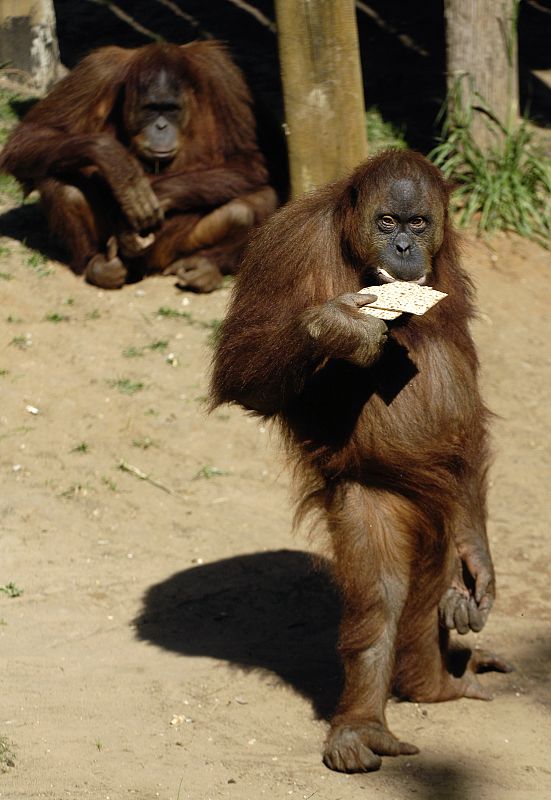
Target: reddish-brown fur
(74, 146)
(394, 454)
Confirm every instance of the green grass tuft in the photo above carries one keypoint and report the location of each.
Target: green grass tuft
(21, 342)
(55, 317)
(126, 385)
(506, 188)
(11, 188)
(144, 444)
(160, 345)
(208, 471)
(212, 325)
(38, 263)
(8, 120)
(133, 352)
(136, 352)
(11, 589)
(107, 481)
(82, 447)
(8, 116)
(7, 756)
(171, 313)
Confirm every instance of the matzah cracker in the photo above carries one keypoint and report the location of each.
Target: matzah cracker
(381, 313)
(401, 297)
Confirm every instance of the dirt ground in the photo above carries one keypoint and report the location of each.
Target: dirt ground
(161, 632)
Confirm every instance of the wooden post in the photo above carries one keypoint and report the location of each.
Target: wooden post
(322, 89)
(28, 41)
(481, 39)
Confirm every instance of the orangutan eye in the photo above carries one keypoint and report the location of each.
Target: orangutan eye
(386, 222)
(418, 224)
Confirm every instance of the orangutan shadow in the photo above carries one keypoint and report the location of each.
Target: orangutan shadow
(26, 223)
(270, 611)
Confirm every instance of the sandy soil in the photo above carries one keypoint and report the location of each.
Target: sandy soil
(171, 640)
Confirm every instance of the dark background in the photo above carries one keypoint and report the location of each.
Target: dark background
(402, 46)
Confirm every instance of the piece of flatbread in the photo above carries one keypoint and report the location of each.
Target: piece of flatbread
(400, 297)
(381, 313)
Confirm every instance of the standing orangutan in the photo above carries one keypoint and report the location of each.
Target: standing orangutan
(146, 160)
(386, 426)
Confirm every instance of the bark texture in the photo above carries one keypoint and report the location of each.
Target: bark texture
(28, 41)
(323, 90)
(481, 39)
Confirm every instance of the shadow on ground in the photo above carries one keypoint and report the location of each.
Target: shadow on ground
(270, 611)
(275, 611)
(435, 779)
(533, 666)
(27, 224)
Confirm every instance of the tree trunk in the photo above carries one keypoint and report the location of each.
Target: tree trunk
(481, 38)
(322, 90)
(28, 41)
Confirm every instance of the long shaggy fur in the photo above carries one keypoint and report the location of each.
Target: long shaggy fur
(218, 158)
(393, 455)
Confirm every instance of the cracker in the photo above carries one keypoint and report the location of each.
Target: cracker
(381, 313)
(401, 297)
